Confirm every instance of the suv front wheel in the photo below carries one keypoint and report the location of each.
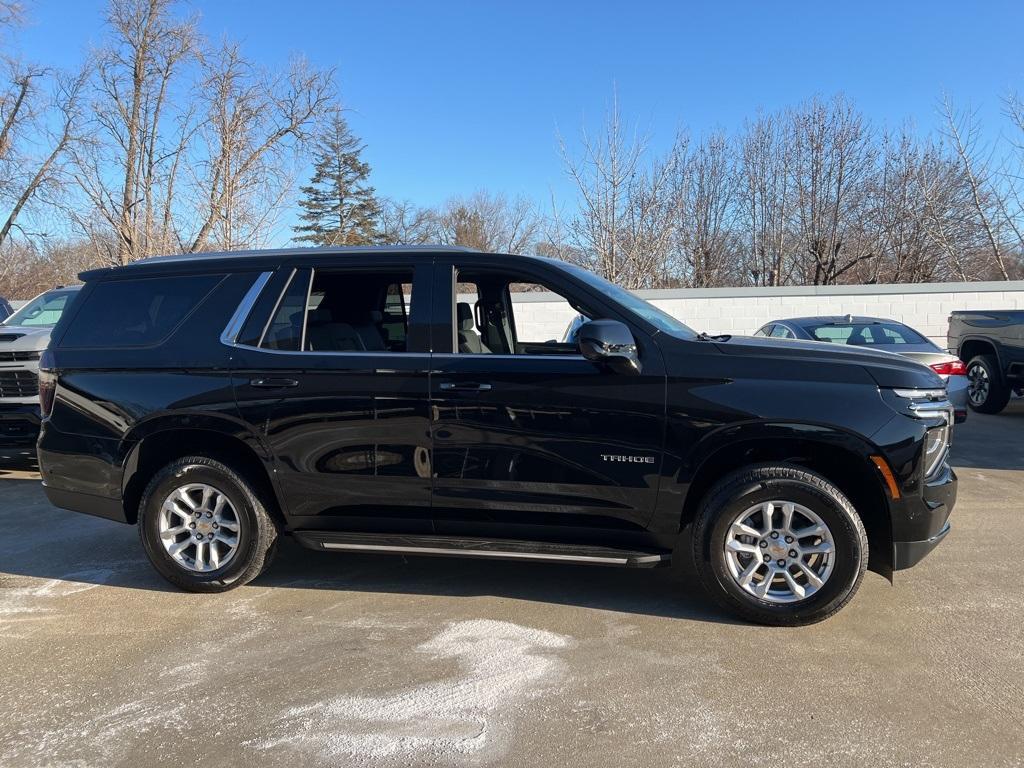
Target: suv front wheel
(779, 545)
(204, 527)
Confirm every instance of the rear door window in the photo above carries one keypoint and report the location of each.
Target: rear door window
(137, 313)
(356, 310)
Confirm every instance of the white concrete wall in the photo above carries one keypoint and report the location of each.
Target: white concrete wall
(925, 307)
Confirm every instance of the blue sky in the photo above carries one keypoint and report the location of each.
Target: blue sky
(454, 96)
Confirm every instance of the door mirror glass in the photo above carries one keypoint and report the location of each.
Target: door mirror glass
(609, 342)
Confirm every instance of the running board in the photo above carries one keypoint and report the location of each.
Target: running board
(497, 549)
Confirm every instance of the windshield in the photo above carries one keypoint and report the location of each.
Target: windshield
(660, 319)
(865, 334)
(43, 311)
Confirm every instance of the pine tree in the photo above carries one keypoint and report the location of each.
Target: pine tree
(339, 207)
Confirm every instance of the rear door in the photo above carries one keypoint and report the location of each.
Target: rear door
(332, 369)
(526, 432)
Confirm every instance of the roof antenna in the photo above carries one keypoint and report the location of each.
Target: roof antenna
(849, 319)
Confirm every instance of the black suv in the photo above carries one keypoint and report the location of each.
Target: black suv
(406, 400)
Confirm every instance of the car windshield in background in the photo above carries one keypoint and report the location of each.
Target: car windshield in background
(865, 334)
(43, 311)
(662, 320)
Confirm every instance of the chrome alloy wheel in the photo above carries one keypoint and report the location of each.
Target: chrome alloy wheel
(977, 384)
(779, 551)
(199, 527)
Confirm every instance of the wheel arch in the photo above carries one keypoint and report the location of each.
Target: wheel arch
(159, 442)
(840, 457)
(972, 346)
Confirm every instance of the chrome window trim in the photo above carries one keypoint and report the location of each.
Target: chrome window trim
(229, 336)
(277, 306)
(245, 306)
(332, 353)
(305, 311)
(385, 353)
(492, 356)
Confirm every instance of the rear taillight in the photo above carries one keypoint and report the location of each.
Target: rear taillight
(953, 368)
(47, 384)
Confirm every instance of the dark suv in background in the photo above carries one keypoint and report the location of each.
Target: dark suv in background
(396, 400)
(992, 343)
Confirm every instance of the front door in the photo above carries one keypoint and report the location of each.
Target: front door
(335, 378)
(528, 435)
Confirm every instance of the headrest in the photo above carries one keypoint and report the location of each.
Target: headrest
(464, 315)
(375, 316)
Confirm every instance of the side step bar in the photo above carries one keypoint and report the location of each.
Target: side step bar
(497, 549)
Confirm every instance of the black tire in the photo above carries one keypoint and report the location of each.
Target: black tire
(257, 536)
(753, 485)
(998, 393)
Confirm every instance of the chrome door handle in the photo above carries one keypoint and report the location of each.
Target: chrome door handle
(467, 386)
(274, 383)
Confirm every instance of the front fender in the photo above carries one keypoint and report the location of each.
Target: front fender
(840, 455)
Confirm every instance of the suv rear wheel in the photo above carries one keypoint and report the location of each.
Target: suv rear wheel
(986, 390)
(204, 527)
(779, 545)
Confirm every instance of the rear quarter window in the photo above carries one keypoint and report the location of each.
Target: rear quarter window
(136, 313)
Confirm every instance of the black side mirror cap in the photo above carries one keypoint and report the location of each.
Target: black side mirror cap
(609, 343)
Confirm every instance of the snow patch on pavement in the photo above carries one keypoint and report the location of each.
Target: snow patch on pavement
(37, 601)
(501, 665)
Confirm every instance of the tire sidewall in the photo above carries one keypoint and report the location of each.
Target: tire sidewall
(998, 393)
(980, 362)
(175, 476)
(849, 555)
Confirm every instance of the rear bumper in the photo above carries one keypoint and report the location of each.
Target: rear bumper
(19, 425)
(956, 391)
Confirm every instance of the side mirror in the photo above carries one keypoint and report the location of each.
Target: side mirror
(610, 343)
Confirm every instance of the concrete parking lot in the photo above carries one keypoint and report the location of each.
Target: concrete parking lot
(362, 660)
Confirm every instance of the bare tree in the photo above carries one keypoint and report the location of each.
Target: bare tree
(25, 175)
(625, 207)
(705, 207)
(489, 222)
(135, 72)
(833, 161)
(402, 223)
(40, 116)
(766, 192)
(922, 213)
(11, 13)
(962, 130)
(34, 266)
(1011, 199)
(253, 123)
